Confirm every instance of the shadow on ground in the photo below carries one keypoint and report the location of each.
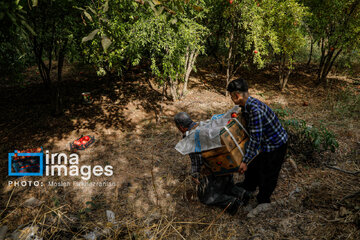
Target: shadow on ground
(26, 120)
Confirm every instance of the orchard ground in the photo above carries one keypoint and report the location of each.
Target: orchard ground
(154, 196)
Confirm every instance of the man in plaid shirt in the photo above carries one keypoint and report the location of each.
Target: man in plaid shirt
(212, 190)
(267, 136)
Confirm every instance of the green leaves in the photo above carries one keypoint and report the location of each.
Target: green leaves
(197, 8)
(27, 26)
(88, 16)
(262, 29)
(159, 31)
(158, 11)
(106, 6)
(90, 36)
(105, 42)
(321, 138)
(337, 21)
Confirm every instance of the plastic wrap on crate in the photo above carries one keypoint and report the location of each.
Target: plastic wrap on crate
(207, 135)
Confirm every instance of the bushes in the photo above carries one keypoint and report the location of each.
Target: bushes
(13, 63)
(320, 138)
(305, 138)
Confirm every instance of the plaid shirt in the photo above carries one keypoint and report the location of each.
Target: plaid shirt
(266, 132)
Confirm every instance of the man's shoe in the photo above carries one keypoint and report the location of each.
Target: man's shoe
(233, 208)
(246, 197)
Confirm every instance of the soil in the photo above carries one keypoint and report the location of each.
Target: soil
(154, 197)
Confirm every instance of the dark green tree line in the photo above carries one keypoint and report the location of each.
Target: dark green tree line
(166, 37)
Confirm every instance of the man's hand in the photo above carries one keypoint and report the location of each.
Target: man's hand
(242, 168)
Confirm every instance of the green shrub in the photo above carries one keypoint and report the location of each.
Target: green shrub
(321, 138)
(304, 137)
(280, 112)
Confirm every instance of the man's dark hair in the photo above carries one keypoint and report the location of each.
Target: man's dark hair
(183, 119)
(238, 85)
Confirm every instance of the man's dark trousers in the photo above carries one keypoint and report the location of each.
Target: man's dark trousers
(219, 191)
(263, 172)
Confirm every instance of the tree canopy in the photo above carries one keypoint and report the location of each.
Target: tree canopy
(166, 37)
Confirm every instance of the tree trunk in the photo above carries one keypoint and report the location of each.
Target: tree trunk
(332, 62)
(43, 70)
(164, 92)
(285, 79)
(173, 89)
(41, 25)
(327, 60)
(188, 56)
(51, 48)
(56, 96)
(229, 65)
(189, 64)
(281, 80)
(322, 60)
(284, 72)
(328, 65)
(311, 51)
(149, 82)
